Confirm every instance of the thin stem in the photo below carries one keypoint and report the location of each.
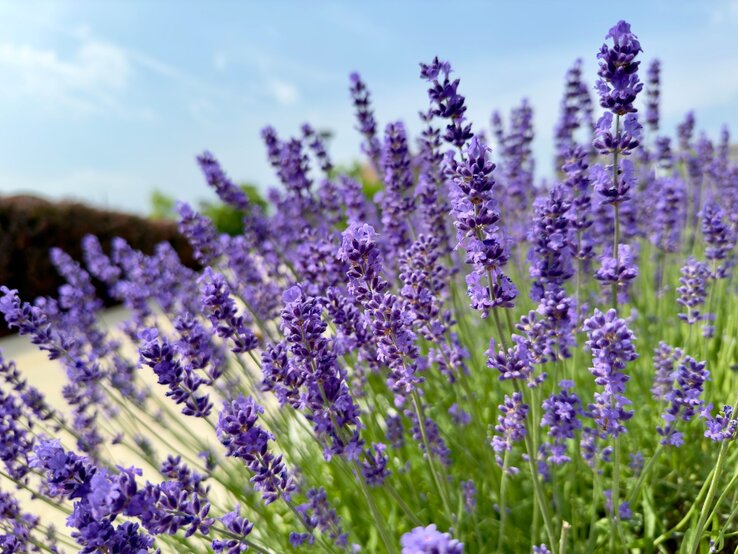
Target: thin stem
(503, 503)
(429, 453)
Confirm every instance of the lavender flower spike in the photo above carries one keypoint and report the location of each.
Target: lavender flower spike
(428, 540)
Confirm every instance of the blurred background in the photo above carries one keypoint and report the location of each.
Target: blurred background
(109, 102)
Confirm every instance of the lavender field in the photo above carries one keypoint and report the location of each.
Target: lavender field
(438, 354)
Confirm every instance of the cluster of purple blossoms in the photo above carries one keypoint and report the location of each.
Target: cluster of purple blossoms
(397, 205)
(721, 427)
(476, 217)
(515, 363)
(552, 243)
(390, 320)
(317, 513)
(239, 432)
(719, 238)
(510, 427)
(619, 85)
(429, 540)
(615, 187)
(575, 113)
(324, 395)
(200, 233)
(653, 94)
(221, 310)
(621, 271)
(446, 102)
(561, 415)
(665, 358)
(611, 343)
(684, 398)
(669, 214)
(365, 117)
(179, 503)
(692, 290)
(158, 353)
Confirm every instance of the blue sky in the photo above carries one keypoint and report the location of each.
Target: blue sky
(105, 101)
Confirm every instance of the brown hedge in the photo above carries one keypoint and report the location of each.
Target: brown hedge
(31, 226)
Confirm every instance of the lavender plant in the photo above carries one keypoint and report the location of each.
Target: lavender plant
(469, 362)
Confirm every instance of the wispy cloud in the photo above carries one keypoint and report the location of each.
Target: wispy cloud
(286, 94)
(86, 80)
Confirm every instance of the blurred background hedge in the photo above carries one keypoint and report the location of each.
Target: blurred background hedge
(31, 226)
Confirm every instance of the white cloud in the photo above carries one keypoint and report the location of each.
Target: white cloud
(86, 80)
(284, 93)
(220, 61)
(725, 12)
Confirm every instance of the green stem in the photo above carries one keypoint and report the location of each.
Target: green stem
(440, 488)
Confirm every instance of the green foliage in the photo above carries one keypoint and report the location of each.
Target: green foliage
(226, 219)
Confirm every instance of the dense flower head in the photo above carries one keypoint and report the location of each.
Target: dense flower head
(664, 359)
(611, 343)
(446, 102)
(552, 242)
(200, 232)
(618, 189)
(692, 290)
(575, 112)
(561, 415)
(429, 540)
(653, 93)
(718, 236)
(619, 84)
(239, 432)
(721, 427)
(239, 527)
(684, 398)
(510, 426)
(324, 396)
(396, 203)
(221, 183)
(367, 124)
(158, 353)
(222, 312)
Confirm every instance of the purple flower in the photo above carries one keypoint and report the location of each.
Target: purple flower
(201, 234)
(476, 217)
(620, 272)
(653, 93)
(611, 343)
(374, 466)
(239, 432)
(160, 355)
(238, 526)
(619, 85)
(718, 237)
(541, 549)
(428, 540)
(624, 511)
(693, 290)
(510, 427)
(561, 413)
(397, 205)
(469, 490)
(721, 427)
(575, 112)
(664, 359)
(367, 125)
(221, 310)
(227, 191)
(446, 102)
(684, 398)
(324, 396)
(553, 242)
